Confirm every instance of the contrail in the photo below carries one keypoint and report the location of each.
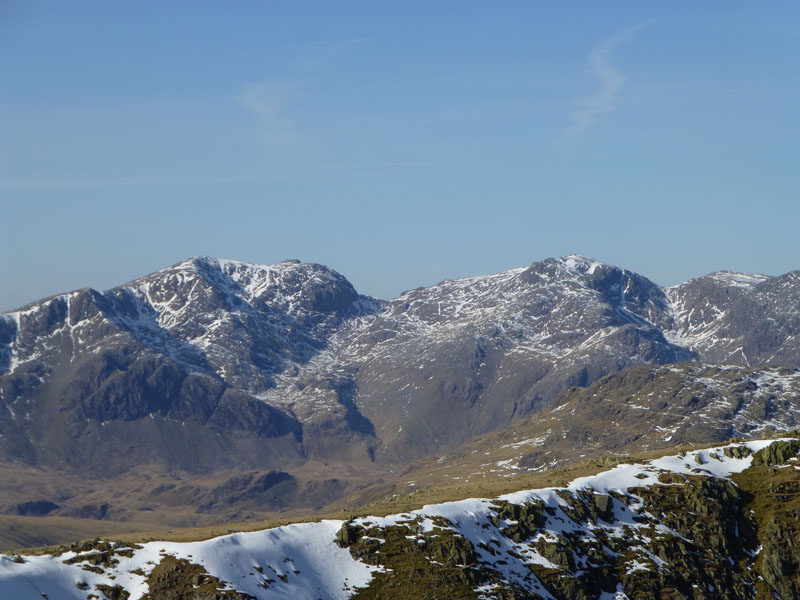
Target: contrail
(611, 80)
(268, 103)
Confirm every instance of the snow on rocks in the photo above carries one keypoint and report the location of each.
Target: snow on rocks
(303, 561)
(300, 561)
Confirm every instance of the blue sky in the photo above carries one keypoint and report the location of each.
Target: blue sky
(399, 143)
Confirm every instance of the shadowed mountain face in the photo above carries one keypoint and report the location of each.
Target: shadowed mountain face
(170, 368)
(213, 364)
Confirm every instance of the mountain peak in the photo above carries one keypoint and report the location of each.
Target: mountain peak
(579, 264)
(575, 259)
(737, 279)
(569, 267)
(247, 274)
(201, 261)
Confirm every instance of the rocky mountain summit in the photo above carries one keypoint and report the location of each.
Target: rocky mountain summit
(215, 364)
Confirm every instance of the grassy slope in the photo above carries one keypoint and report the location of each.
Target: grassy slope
(406, 498)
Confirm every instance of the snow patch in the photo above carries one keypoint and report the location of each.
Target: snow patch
(302, 560)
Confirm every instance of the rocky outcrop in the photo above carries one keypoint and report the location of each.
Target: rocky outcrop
(687, 536)
(180, 579)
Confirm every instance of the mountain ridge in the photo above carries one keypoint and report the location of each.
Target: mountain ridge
(223, 367)
(299, 337)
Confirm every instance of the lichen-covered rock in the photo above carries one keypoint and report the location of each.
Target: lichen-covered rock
(349, 534)
(778, 453)
(178, 579)
(434, 564)
(113, 592)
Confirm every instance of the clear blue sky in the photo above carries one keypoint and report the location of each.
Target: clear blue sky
(399, 143)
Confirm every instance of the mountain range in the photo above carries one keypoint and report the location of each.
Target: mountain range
(228, 384)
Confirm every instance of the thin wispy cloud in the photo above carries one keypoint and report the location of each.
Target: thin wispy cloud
(611, 79)
(268, 103)
(134, 181)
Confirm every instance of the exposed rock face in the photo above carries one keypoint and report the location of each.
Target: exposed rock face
(178, 579)
(211, 364)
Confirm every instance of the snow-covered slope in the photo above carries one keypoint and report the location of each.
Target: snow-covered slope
(299, 561)
(613, 531)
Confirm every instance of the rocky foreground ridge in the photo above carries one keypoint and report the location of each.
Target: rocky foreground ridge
(713, 523)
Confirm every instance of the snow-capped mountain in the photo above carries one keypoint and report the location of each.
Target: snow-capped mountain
(212, 363)
(737, 318)
(710, 523)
